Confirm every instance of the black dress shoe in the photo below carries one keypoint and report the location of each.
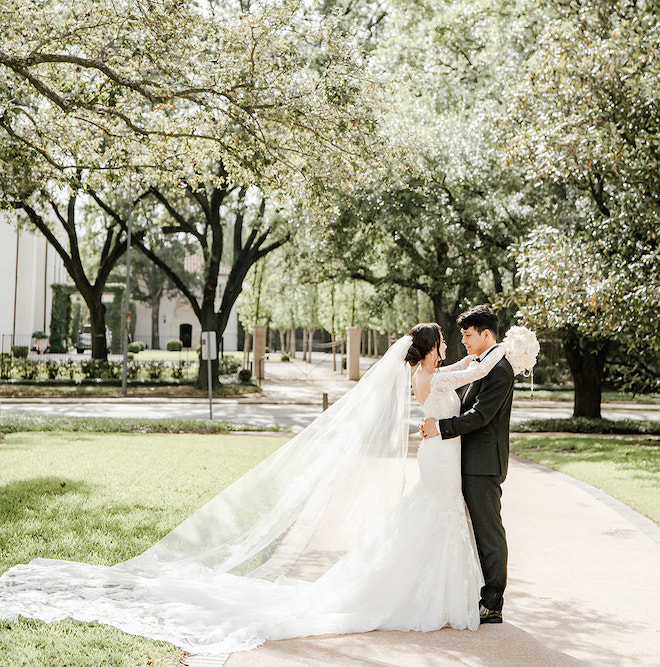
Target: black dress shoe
(489, 615)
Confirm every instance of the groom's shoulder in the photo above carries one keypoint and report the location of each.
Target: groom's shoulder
(503, 368)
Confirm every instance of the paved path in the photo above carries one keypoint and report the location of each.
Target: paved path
(275, 406)
(583, 590)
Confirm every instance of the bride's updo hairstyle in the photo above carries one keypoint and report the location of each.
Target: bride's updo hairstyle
(425, 337)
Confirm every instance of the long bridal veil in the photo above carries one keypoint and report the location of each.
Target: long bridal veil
(283, 525)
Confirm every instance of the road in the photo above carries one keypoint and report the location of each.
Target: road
(286, 413)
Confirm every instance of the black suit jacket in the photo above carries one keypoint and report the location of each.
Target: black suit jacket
(484, 423)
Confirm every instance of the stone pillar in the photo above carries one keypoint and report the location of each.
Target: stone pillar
(259, 350)
(354, 340)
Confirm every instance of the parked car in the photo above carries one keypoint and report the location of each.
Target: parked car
(85, 338)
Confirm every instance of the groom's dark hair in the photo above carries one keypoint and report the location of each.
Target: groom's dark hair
(480, 317)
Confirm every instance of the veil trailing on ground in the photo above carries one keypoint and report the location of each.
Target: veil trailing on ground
(345, 470)
(287, 521)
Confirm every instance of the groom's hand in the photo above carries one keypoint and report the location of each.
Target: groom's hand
(428, 427)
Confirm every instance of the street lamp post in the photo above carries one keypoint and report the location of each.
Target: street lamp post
(127, 312)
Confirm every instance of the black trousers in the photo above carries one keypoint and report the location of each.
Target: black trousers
(483, 495)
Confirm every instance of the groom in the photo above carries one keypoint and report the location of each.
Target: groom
(484, 429)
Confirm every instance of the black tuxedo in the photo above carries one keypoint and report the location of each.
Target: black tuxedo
(484, 429)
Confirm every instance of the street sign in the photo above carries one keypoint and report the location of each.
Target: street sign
(209, 346)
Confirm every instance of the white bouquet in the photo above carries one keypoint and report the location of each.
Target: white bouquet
(521, 349)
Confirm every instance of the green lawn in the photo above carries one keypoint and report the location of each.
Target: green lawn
(103, 498)
(626, 467)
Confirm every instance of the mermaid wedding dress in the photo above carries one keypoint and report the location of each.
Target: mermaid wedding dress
(323, 537)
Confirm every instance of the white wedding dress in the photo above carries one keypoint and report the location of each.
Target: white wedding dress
(353, 558)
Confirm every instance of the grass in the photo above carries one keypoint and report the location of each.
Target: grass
(626, 467)
(103, 498)
(25, 422)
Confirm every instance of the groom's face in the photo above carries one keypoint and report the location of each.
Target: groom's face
(475, 342)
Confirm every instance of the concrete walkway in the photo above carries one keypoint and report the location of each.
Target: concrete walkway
(584, 590)
(275, 406)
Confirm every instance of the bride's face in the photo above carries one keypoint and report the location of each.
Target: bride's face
(439, 352)
(442, 349)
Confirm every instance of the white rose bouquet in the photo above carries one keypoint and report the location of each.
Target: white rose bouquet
(521, 348)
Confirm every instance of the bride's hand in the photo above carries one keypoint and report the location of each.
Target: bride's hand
(428, 428)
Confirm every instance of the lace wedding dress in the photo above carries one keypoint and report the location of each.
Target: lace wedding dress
(321, 538)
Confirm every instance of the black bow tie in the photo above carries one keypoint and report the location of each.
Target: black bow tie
(477, 360)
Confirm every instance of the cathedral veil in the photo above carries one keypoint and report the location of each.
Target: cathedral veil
(335, 478)
(287, 521)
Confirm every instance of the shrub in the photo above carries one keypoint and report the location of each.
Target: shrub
(29, 370)
(174, 346)
(19, 351)
(245, 376)
(132, 371)
(228, 365)
(52, 369)
(6, 367)
(155, 370)
(284, 357)
(586, 425)
(179, 370)
(100, 369)
(136, 347)
(70, 368)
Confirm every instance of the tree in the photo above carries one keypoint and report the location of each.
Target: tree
(213, 217)
(444, 228)
(274, 94)
(585, 124)
(56, 212)
(166, 93)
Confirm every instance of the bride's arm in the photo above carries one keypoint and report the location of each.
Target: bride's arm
(458, 366)
(453, 379)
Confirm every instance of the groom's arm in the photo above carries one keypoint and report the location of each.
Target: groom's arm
(492, 394)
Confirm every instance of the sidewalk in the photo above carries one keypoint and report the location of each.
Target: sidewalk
(583, 590)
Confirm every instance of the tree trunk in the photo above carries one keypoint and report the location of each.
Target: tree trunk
(292, 343)
(304, 343)
(97, 321)
(310, 344)
(451, 332)
(586, 359)
(247, 344)
(334, 352)
(155, 316)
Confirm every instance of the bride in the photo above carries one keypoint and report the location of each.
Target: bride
(325, 536)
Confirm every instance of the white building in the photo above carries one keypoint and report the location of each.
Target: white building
(177, 321)
(28, 266)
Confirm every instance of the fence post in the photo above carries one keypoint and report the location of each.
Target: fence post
(354, 340)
